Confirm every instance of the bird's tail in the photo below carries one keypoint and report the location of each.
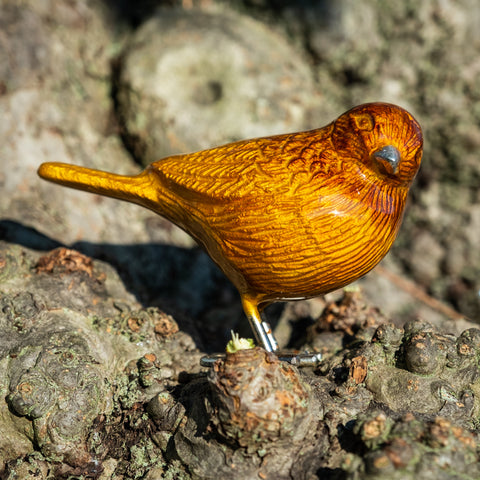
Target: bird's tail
(138, 188)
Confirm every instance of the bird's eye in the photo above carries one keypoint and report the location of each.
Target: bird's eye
(364, 121)
(387, 159)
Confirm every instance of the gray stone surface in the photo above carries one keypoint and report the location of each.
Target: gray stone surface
(190, 80)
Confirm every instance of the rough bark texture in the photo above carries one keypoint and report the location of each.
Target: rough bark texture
(106, 309)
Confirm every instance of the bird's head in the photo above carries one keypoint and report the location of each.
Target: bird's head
(384, 138)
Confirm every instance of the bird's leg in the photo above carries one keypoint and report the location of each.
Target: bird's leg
(264, 336)
(261, 329)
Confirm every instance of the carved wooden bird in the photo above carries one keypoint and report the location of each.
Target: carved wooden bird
(285, 217)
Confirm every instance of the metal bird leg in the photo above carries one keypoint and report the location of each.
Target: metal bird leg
(261, 329)
(265, 337)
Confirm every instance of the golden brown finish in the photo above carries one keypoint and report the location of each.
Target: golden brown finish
(285, 217)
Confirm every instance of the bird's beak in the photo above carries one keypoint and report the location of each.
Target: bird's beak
(388, 159)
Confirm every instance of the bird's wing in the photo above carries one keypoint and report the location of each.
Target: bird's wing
(263, 166)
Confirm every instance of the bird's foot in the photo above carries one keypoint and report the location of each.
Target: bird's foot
(297, 359)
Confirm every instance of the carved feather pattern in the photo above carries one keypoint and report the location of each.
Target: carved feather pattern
(287, 216)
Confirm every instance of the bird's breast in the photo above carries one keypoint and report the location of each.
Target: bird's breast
(302, 247)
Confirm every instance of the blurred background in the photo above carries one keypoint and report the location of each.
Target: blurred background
(117, 84)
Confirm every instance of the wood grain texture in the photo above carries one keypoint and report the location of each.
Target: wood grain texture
(288, 216)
